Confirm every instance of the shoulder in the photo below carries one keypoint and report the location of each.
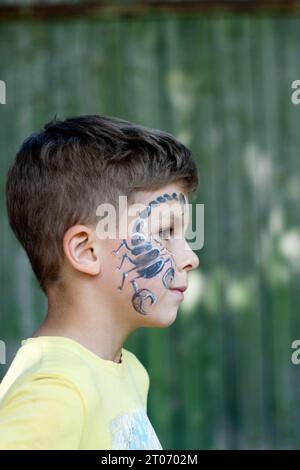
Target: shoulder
(42, 411)
(40, 365)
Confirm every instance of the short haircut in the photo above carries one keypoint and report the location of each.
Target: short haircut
(62, 173)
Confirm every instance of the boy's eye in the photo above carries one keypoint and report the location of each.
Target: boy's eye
(165, 234)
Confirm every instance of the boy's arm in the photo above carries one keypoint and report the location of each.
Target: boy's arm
(43, 413)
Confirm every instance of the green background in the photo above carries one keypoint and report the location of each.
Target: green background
(221, 375)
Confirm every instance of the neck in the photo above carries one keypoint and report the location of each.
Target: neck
(92, 323)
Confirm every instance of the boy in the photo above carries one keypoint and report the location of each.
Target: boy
(72, 385)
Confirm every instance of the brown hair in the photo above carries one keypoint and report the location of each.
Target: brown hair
(61, 174)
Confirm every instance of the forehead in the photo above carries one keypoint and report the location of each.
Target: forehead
(147, 197)
(165, 205)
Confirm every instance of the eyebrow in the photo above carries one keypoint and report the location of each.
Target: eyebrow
(159, 200)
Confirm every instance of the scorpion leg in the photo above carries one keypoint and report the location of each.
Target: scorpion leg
(125, 274)
(123, 243)
(123, 259)
(123, 280)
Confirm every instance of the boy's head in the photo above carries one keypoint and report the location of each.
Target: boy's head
(60, 177)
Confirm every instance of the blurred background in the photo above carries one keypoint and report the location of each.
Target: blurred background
(217, 75)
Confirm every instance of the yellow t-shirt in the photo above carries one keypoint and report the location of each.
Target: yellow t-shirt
(59, 395)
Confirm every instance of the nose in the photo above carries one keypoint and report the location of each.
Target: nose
(187, 260)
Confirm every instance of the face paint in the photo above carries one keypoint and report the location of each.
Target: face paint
(148, 256)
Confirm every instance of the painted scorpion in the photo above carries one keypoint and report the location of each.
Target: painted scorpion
(147, 261)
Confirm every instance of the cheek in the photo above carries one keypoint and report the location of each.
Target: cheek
(154, 284)
(143, 278)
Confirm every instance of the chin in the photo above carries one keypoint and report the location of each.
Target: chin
(166, 321)
(160, 318)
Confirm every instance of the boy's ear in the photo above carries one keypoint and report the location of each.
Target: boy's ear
(81, 250)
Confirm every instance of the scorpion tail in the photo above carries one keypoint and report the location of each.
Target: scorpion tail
(139, 299)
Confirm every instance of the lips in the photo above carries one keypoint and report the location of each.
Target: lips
(178, 292)
(180, 288)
